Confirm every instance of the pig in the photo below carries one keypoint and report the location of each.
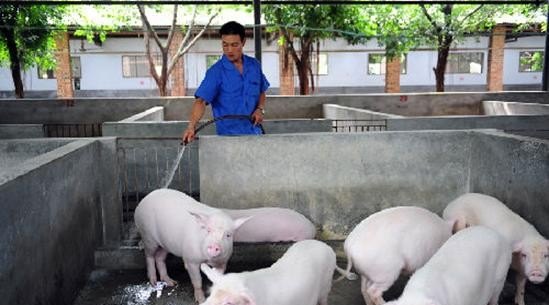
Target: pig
(169, 221)
(302, 276)
(390, 242)
(530, 249)
(270, 224)
(469, 269)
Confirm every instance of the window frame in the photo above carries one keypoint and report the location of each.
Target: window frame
(531, 51)
(482, 65)
(134, 67)
(383, 64)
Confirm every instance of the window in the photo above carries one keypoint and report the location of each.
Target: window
(466, 62)
(377, 62)
(319, 61)
(138, 65)
(211, 59)
(322, 60)
(50, 73)
(531, 61)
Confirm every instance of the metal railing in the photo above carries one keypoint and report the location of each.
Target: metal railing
(359, 125)
(72, 130)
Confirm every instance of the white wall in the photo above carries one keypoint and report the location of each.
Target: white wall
(347, 64)
(511, 74)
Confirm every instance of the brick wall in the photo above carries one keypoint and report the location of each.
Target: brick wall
(63, 71)
(177, 77)
(495, 58)
(392, 75)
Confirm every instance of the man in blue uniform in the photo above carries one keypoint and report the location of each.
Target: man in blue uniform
(234, 85)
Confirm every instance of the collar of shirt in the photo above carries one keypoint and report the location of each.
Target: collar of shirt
(227, 64)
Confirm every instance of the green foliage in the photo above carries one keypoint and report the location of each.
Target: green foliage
(33, 28)
(317, 22)
(396, 27)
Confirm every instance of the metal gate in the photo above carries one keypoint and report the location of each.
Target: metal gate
(145, 164)
(359, 125)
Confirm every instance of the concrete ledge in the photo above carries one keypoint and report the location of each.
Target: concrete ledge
(337, 112)
(514, 108)
(154, 114)
(20, 131)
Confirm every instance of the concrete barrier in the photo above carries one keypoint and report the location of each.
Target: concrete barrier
(59, 203)
(21, 131)
(339, 179)
(337, 112)
(514, 108)
(154, 114)
(99, 110)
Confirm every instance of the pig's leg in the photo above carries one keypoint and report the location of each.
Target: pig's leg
(520, 283)
(378, 286)
(194, 273)
(364, 289)
(160, 259)
(151, 269)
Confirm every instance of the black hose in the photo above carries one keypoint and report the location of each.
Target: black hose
(227, 117)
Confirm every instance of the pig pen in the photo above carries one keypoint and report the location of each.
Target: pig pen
(337, 180)
(56, 199)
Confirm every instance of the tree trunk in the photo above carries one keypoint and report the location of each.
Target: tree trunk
(442, 61)
(304, 67)
(15, 64)
(303, 74)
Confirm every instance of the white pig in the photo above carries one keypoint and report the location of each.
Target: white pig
(302, 276)
(271, 225)
(530, 249)
(390, 242)
(169, 221)
(469, 269)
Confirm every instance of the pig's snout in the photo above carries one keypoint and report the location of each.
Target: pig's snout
(536, 277)
(214, 250)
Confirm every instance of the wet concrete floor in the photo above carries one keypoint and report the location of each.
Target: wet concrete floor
(130, 287)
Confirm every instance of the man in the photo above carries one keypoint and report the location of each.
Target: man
(234, 85)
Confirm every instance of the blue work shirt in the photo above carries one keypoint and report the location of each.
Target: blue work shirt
(232, 93)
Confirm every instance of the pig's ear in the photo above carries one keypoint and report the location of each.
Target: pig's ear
(517, 247)
(240, 221)
(211, 273)
(201, 219)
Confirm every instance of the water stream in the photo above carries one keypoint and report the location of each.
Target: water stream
(166, 183)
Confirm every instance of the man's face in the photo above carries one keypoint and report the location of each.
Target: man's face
(232, 47)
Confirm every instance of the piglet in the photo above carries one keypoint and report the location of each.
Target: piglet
(390, 242)
(530, 249)
(469, 269)
(302, 276)
(271, 224)
(169, 221)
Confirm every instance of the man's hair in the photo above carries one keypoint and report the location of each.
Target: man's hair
(232, 28)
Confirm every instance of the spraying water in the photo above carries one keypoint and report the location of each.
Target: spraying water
(169, 178)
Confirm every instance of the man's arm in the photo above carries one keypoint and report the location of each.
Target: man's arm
(197, 111)
(257, 115)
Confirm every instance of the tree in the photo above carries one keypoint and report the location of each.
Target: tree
(168, 64)
(309, 24)
(27, 38)
(447, 23)
(393, 25)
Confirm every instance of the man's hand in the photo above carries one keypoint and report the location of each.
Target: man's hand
(257, 116)
(188, 135)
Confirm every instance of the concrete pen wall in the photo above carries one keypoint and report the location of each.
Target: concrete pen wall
(339, 179)
(57, 206)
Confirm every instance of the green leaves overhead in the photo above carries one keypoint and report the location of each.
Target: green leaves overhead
(31, 28)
